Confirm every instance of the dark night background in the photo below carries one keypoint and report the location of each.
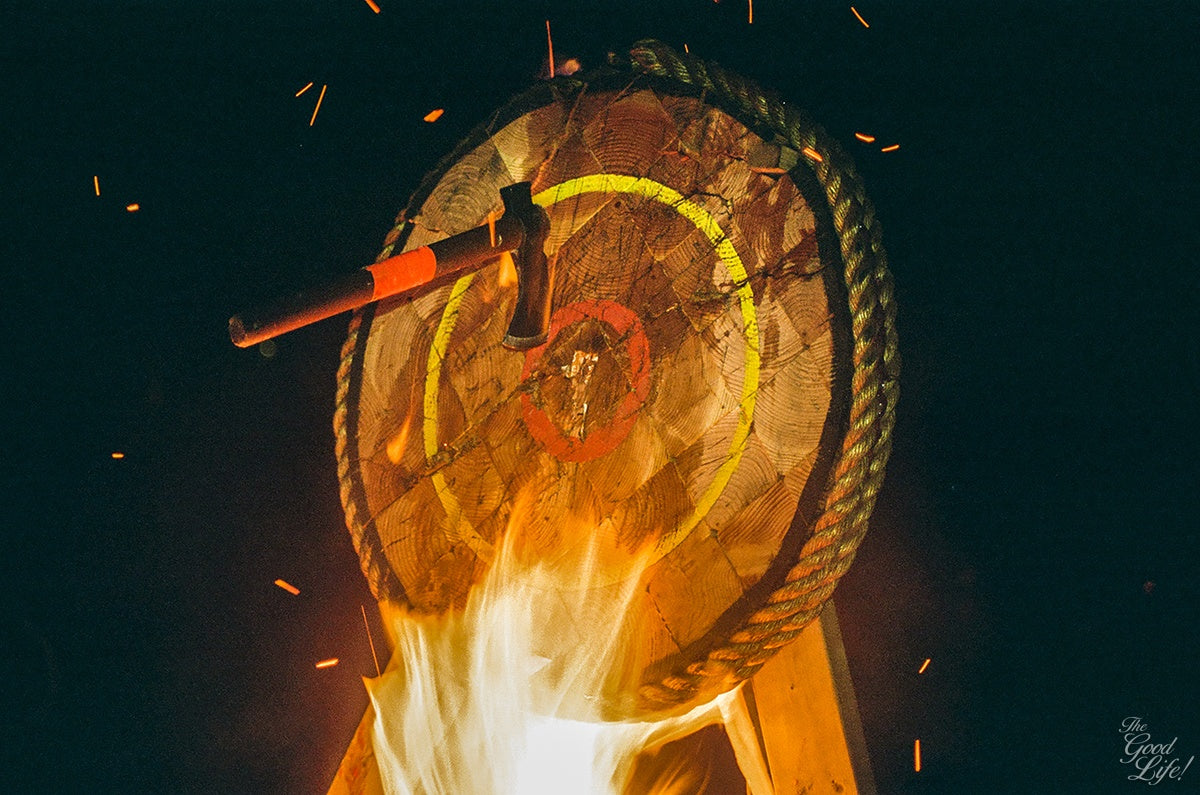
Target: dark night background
(1036, 535)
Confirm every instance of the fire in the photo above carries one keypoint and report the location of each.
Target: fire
(505, 696)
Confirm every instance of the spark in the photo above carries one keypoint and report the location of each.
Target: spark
(685, 47)
(812, 154)
(287, 586)
(492, 228)
(434, 115)
(132, 208)
(318, 107)
(891, 148)
(860, 19)
(118, 456)
(96, 182)
(550, 48)
(332, 661)
(917, 755)
(373, 6)
(924, 665)
(750, 3)
(306, 88)
(867, 139)
(371, 641)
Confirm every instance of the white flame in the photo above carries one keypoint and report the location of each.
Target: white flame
(476, 702)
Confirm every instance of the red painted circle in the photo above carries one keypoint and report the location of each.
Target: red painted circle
(600, 441)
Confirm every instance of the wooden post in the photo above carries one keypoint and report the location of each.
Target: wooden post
(806, 716)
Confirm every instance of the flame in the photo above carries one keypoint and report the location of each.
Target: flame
(397, 444)
(508, 270)
(505, 696)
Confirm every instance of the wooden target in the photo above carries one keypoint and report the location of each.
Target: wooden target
(690, 400)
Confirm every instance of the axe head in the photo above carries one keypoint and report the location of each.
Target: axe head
(531, 318)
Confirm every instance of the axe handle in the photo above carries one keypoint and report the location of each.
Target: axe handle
(400, 275)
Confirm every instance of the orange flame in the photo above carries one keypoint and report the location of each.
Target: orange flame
(504, 696)
(399, 441)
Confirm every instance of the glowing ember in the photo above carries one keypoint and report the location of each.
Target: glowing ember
(860, 19)
(504, 696)
(318, 107)
(550, 47)
(891, 148)
(924, 665)
(812, 154)
(434, 115)
(864, 137)
(306, 88)
(373, 6)
(287, 586)
(332, 661)
(917, 755)
(132, 208)
(96, 182)
(118, 456)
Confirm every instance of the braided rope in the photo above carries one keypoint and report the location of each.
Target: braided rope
(858, 470)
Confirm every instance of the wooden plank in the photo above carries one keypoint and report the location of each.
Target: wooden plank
(808, 716)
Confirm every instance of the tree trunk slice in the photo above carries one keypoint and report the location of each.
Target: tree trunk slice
(685, 408)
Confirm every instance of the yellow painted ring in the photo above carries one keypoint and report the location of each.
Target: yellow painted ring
(703, 220)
